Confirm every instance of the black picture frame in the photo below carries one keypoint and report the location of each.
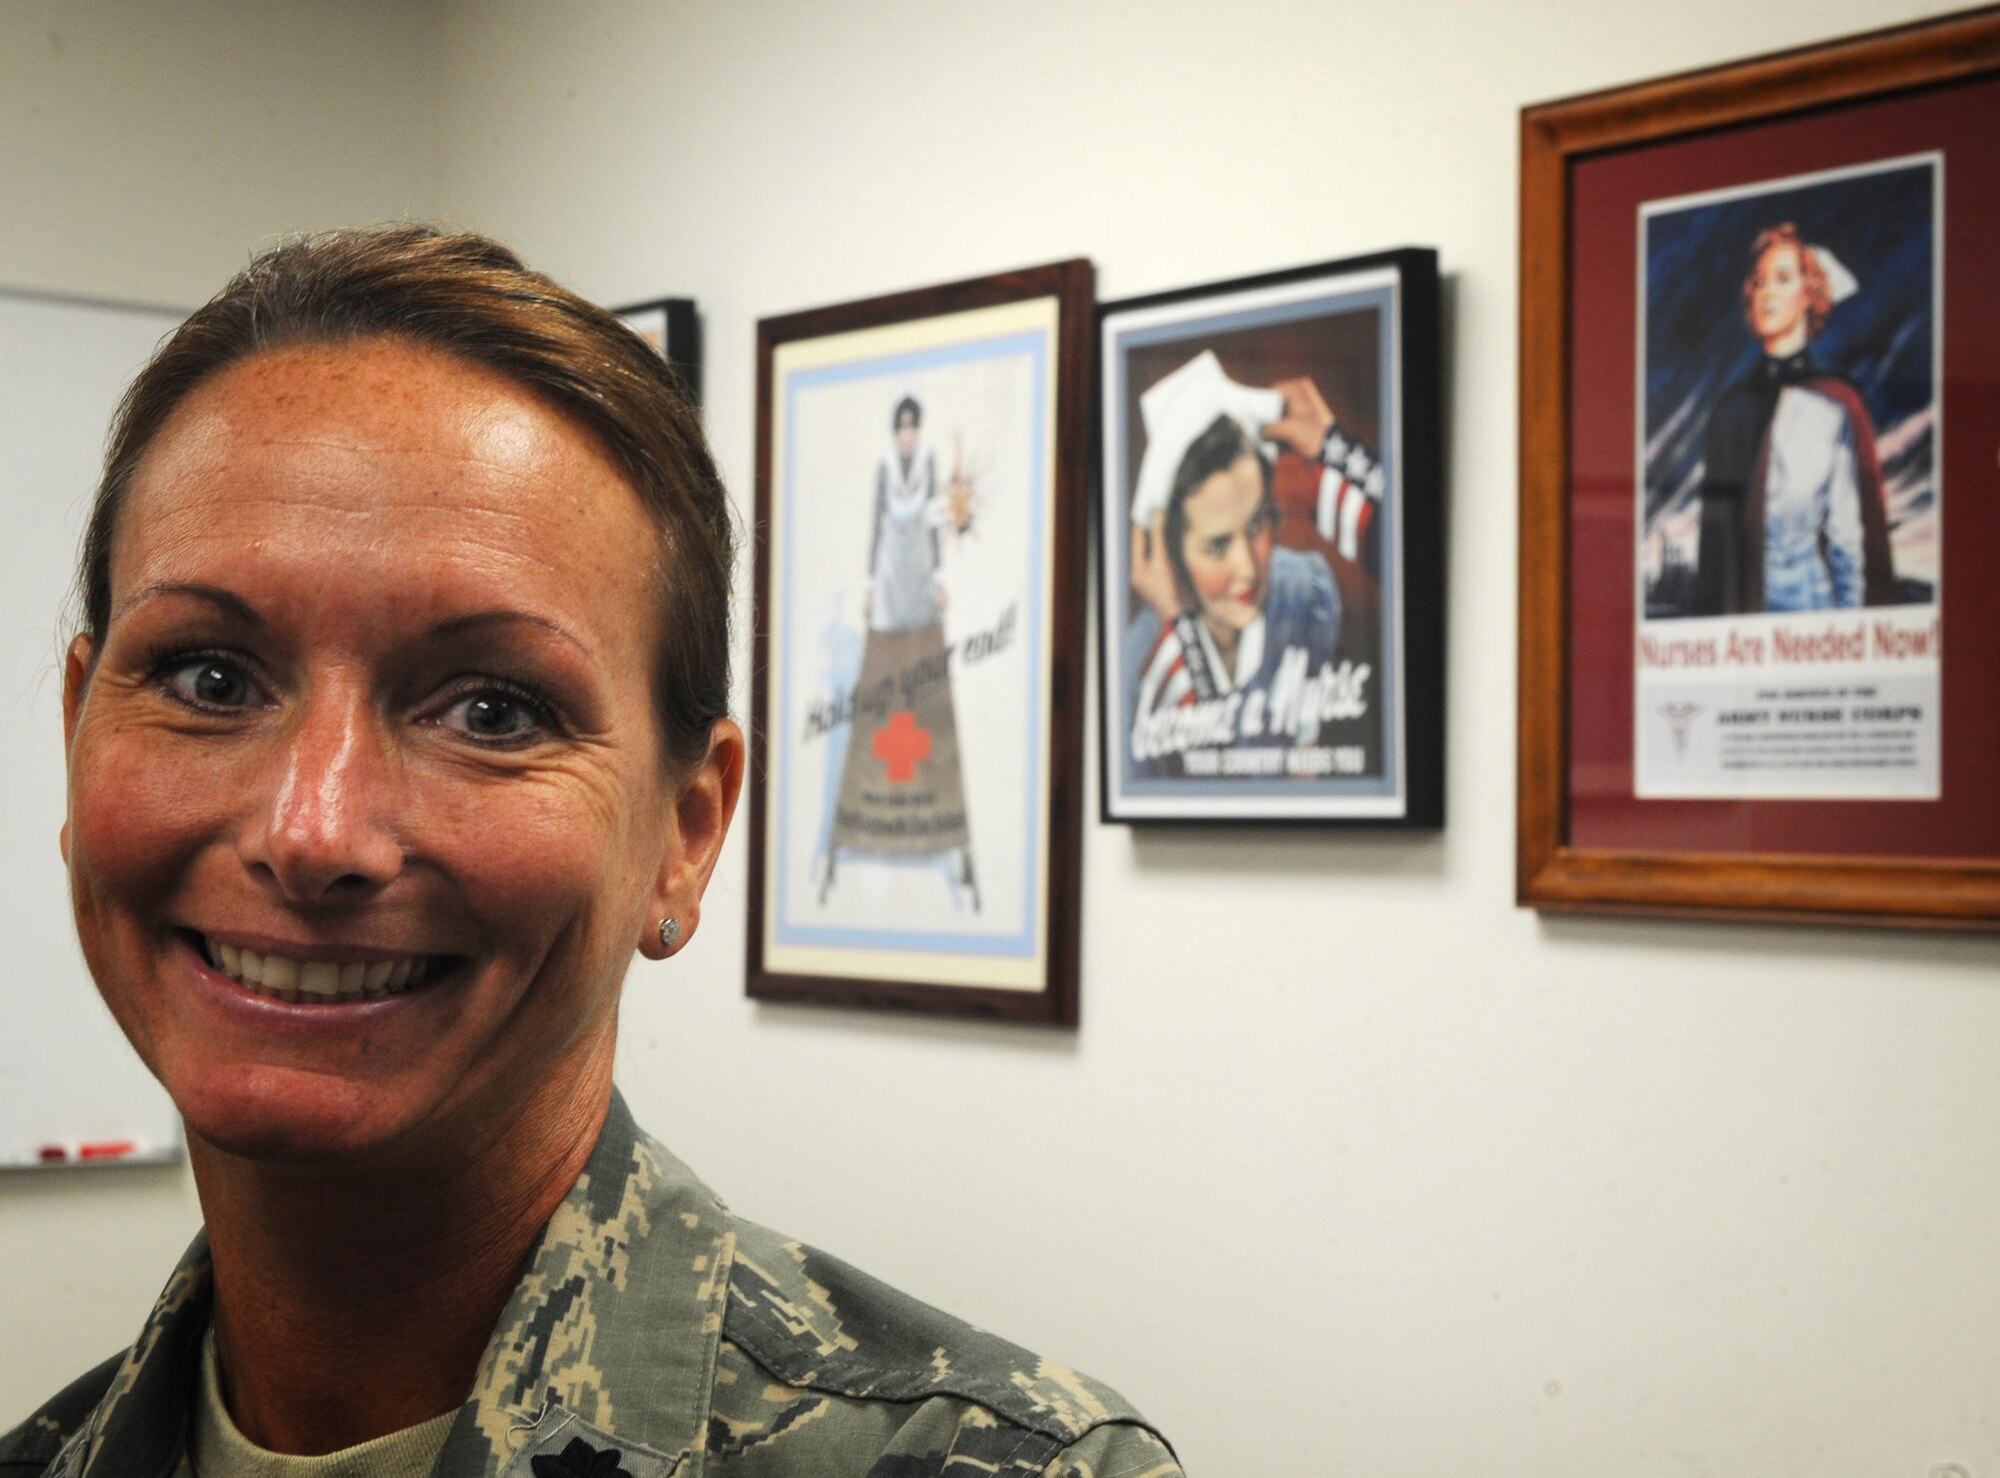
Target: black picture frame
(1366, 331)
(673, 327)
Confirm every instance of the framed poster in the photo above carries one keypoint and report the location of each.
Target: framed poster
(1760, 651)
(673, 328)
(1271, 548)
(915, 787)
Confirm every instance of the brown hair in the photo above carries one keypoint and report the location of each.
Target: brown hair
(1217, 449)
(470, 297)
(1819, 297)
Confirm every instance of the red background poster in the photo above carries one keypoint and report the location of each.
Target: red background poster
(1963, 121)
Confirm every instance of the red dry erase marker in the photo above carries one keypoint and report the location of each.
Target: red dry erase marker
(105, 1149)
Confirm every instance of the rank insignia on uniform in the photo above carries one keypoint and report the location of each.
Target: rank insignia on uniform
(580, 1460)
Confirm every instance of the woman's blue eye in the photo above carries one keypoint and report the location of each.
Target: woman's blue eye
(212, 682)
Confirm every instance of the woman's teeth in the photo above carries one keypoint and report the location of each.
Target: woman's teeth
(314, 980)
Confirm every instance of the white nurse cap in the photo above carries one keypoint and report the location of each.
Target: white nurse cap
(1841, 284)
(1176, 409)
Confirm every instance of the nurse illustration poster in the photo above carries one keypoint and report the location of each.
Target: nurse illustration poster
(1790, 633)
(1759, 662)
(1272, 589)
(914, 792)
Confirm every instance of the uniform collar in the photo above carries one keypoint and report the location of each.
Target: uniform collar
(609, 1339)
(611, 1335)
(1249, 654)
(139, 1424)
(1787, 369)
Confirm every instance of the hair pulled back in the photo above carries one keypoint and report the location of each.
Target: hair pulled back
(470, 297)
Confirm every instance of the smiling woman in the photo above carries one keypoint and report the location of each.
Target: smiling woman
(396, 724)
(378, 657)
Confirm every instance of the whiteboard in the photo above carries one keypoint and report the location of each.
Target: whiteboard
(67, 1078)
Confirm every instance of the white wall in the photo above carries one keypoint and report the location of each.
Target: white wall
(150, 148)
(1353, 1167)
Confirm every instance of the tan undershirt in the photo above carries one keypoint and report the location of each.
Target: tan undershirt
(216, 1449)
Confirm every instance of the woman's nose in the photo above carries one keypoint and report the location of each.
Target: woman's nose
(325, 829)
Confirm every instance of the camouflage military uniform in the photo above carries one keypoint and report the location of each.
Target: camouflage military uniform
(652, 1324)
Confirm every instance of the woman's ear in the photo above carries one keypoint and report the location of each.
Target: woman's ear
(700, 820)
(76, 674)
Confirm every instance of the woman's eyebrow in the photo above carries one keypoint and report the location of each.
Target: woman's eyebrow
(458, 625)
(228, 602)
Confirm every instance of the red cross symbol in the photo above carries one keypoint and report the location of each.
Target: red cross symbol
(899, 744)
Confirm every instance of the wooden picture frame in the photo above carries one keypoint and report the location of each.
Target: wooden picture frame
(673, 328)
(921, 521)
(1273, 628)
(1703, 732)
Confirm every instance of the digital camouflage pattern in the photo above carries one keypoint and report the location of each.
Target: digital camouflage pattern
(654, 1335)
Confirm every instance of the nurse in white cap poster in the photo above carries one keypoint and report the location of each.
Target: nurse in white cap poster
(1256, 499)
(1787, 570)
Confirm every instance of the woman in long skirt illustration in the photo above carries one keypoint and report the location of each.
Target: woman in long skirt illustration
(901, 794)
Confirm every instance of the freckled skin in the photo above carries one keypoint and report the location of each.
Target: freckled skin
(1227, 549)
(355, 498)
(371, 1177)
